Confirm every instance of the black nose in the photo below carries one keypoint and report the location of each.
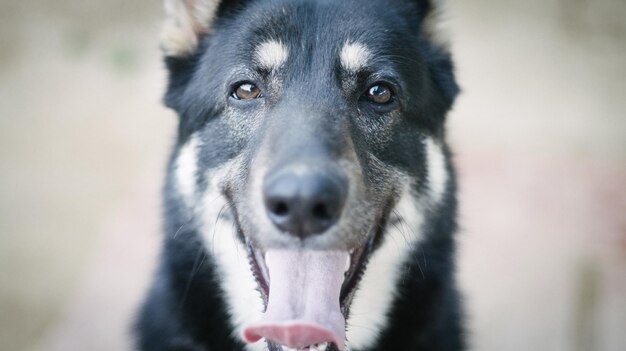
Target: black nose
(304, 201)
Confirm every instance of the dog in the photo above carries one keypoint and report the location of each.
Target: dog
(309, 202)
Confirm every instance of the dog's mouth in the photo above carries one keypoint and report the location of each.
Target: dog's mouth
(307, 294)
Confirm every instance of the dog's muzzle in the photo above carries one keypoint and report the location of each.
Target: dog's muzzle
(303, 288)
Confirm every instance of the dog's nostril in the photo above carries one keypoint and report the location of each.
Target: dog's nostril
(280, 209)
(320, 211)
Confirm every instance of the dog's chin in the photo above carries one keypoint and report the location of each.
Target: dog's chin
(309, 299)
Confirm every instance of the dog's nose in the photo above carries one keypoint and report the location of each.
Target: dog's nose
(304, 201)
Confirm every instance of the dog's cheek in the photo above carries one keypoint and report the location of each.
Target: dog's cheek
(201, 191)
(437, 171)
(220, 237)
(257, 225)
(376, 130)
(376, 290)
(186, 170)
(243, 124)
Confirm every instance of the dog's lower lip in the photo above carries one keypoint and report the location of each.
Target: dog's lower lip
(259, 270)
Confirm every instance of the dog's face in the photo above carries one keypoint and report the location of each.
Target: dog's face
(304, 126)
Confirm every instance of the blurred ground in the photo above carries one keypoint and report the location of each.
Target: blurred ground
(539, 133)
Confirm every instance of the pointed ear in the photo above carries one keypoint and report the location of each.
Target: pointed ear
(432, 26)
(435, 44)
(186, 21)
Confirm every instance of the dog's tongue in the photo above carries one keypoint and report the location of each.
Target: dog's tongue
(303, 305)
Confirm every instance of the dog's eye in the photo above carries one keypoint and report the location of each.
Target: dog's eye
(379, 93)
(246, 91)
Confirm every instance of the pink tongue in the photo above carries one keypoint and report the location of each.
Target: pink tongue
(303, 307)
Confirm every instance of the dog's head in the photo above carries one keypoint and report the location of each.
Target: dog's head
(304, 128)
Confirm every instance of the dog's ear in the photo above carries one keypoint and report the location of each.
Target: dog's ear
(432, 22)
(186, 21)
(435, 46)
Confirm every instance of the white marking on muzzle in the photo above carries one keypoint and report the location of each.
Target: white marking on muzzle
(354, 56)
(234, 274)
(437, 171)
(186, 169)
(368, 313)
(271, 54)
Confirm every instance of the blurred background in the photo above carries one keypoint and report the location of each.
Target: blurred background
(539, 133)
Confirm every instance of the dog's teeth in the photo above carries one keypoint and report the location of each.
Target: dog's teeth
(348, 261)
(318, 347)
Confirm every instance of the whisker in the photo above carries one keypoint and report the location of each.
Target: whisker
(412, 246)
(217, 219)
(178, 231)
(368, 328)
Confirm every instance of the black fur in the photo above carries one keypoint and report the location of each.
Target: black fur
(185, 309)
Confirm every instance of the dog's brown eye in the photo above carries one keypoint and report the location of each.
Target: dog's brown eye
(379, 94)
(246, 91)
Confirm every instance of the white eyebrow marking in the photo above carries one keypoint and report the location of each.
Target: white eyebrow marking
(271, 54)
(354, 56)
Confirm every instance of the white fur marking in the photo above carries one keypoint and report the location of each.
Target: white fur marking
(240, 288)
(437, 172)
(368, 313)
(354, 56)
(186, 168)
(271, 54)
